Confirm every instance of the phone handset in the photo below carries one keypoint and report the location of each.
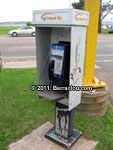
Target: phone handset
(51, 70)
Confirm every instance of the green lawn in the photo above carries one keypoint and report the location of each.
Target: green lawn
(104, 31)
(6, 29)
(21, 111)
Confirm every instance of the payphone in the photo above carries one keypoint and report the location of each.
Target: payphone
(60, 46)
(59, 64)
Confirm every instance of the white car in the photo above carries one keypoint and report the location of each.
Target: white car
(23, 31)
(110, 29)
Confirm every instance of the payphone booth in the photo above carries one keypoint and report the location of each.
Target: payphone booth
(60, 48)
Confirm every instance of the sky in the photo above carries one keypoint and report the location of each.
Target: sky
(21, 10)
(14, 10)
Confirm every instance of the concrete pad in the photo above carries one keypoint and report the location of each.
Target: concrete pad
(36, 141)
(20, 64)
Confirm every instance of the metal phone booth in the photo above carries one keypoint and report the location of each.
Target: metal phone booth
(60, 46)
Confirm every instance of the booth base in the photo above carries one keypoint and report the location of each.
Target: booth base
(67, 143)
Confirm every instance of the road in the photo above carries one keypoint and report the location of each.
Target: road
(104, 56)
(17, 48)
(104, 59)
(24, 48)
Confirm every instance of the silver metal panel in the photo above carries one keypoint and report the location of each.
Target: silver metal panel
(78, 36)
(64, 34)
(54, 35)
(61, 17)
(52, 94)
(53, 25)
(60, 34)
(43, 42)
(58, 16)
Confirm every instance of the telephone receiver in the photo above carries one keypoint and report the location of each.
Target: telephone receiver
(51, 69)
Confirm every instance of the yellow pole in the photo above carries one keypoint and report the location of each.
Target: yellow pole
(93, 7)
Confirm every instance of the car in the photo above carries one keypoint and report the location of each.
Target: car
(110, 29)
(23, 31)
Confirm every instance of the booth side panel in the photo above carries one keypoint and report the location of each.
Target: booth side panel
(54, 35)
(37, 51)
(60, 34)
(43, 40)
(78, 36)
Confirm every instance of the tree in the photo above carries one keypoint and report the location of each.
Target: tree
(29, 24)
(105, 9)
(78, 5)
(100, 13)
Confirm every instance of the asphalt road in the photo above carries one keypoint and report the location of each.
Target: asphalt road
(104, 59)
(24, 48)
(17, 48)
(11, 47)
(104, 55)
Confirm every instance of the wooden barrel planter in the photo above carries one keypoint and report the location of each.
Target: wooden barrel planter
(94, 103)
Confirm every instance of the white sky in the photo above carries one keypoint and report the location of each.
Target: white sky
(13, 10)
(21, 10)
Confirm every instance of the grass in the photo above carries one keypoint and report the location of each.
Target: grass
(104, 31)
(21, 111)
(6, 29)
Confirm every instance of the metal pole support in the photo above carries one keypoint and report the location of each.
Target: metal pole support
(93, 7)
(63, 133)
